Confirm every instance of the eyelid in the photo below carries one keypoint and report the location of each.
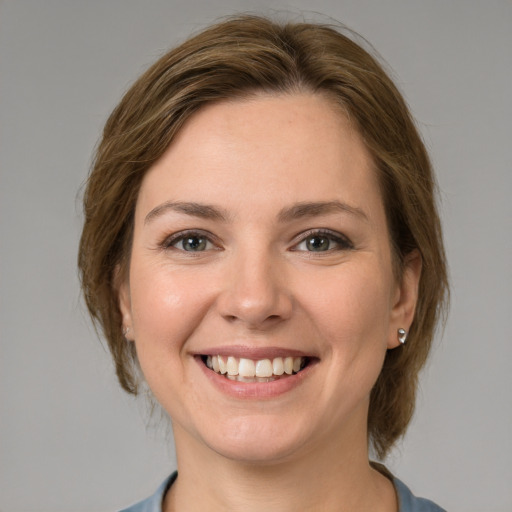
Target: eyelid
(170, 240)
(336, 236)
(341, 239)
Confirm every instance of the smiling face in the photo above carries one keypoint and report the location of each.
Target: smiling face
(260, 243)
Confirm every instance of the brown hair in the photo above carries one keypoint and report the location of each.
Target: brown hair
(235, 58)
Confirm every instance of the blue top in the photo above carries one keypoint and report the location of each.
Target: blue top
(407, 502)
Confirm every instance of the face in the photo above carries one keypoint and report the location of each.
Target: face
(261, 296)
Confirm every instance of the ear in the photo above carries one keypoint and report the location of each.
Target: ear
(406, 297)
(122, 287)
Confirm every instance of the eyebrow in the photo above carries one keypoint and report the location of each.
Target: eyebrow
(295, 212)
(203, 211)
(316, 209)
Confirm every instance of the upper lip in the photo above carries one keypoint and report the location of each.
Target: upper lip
(251, 352)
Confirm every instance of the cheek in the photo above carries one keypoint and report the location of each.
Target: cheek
(352, 306)
(166, 306)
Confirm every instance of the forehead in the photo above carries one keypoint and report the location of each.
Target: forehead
(264, 149)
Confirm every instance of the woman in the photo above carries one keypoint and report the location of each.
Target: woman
(262, 248)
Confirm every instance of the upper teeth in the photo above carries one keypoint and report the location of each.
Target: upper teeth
(249, 368)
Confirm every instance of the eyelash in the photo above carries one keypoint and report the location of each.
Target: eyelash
(341, 241)
(171, 241)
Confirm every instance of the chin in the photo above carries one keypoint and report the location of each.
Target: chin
(250, 441)
(255, 453)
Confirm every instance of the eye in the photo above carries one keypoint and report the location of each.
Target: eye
(189, 242)
(192, 243)
(323, 241)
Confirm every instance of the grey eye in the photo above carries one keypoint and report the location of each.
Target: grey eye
(192, 243)
(323, 242)
(318, 243)
(189, 241)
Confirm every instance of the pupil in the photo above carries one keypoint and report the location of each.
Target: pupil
(194, 243)
(317, 243)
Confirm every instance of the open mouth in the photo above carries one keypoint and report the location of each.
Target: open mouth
(261, 370)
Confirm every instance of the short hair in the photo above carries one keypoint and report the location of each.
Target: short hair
(236, 58)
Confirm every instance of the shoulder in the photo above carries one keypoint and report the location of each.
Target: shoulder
(410, 503)
(154, 502)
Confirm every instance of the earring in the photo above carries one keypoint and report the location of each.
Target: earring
(402, 336)
(126, 330)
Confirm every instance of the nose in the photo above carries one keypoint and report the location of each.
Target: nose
(256, 294)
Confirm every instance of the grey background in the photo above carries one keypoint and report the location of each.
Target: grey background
(70, 440)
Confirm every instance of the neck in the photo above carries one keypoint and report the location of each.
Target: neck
(324, 477)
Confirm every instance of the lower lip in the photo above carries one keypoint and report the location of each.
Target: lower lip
(255, 390)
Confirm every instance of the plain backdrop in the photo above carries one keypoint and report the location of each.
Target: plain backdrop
(70, 440)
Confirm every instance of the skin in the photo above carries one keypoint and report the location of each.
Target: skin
(257, 283)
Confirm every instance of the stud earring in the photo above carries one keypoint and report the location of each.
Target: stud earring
(402, 336)
(126, 330)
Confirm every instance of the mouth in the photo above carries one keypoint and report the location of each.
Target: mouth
(260, 370)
